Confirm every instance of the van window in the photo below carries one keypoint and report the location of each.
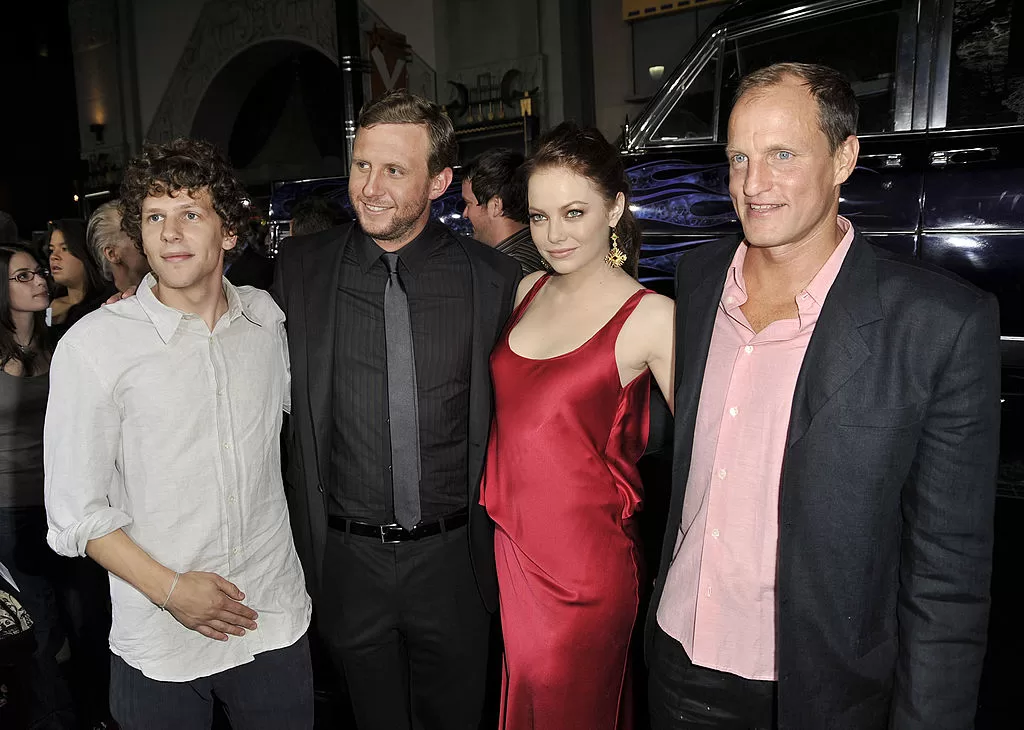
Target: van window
(986, 66)
(861, 43)
(693, 116)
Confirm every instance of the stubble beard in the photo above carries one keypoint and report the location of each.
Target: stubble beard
(403, 221)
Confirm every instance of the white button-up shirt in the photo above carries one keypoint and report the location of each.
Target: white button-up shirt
(160, 427)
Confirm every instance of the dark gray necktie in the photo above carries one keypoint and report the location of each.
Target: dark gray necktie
(403, 407)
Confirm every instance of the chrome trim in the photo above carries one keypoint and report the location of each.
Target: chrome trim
(1009, 338)
(889, 160)
(926, 33)
(941, 158)
(804, 12)
(906, 64)
(1011, 127)
(872, 232)
(986, 232)
(667, 98)
(719, 71)
(940, 76)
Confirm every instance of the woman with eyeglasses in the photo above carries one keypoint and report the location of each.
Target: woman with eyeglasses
(83, 288)
(24, 384)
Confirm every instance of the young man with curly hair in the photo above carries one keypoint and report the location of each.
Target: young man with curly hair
(163, 465)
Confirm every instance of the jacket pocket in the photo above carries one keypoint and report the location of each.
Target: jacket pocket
(901, 417)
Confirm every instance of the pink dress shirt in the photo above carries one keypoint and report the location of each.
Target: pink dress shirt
(719, 598)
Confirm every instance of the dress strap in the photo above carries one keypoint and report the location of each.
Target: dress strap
(518, 312)
(616, 323)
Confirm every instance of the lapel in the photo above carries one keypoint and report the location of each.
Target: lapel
(320, 270)
(487, 321)
(837, 349)
(705, 284)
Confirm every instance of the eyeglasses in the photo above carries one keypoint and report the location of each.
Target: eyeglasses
(25, 275)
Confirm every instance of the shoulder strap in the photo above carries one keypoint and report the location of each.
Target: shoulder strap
(527, 299)
(615, 324)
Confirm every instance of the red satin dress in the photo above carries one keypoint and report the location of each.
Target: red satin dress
(561, 485)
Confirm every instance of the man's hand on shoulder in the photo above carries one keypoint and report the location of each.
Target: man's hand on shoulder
(210, 605)
(115, 298)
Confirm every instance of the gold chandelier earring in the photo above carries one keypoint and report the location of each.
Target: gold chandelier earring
(616, 257)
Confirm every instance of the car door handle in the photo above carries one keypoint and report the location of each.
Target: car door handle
(941, 158)
(886, 160)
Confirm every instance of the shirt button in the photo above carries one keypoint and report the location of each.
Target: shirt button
(733, 411)
(708, 593)
(730, 300)
(231, 498)
(748, 349)
(235, 551)
(227, 446)
(714, 533)
(722, 473)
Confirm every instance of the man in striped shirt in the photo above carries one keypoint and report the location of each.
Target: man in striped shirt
(495, 199)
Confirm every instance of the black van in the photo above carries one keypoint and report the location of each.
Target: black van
(941, 169)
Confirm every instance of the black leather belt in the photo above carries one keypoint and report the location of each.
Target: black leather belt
(390, 534)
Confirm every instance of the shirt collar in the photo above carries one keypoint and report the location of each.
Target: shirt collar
(167, 319)
(413, 255)
(822, 281)
(516, 238)
(735, 292)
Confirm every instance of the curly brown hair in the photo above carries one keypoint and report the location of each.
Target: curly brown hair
(183, 164)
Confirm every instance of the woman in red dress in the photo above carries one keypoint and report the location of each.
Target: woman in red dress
(572, 375)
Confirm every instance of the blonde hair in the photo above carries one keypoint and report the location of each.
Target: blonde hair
(102, 233)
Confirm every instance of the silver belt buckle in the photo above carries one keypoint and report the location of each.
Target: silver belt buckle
(391, 534)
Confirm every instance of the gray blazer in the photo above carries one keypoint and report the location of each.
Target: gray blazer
(887, 493)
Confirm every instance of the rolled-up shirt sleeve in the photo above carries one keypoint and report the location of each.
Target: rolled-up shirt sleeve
(81, 439)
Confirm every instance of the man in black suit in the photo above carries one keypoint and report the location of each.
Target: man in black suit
(391, 321)
(829, 542)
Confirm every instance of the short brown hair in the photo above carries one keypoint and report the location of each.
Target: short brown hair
(184, 164)
(401, 107)
(837, 104)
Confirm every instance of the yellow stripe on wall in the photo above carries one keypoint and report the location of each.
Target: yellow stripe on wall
(637, 9)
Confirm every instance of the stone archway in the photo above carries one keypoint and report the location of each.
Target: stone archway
(225, 29)
(276, 111)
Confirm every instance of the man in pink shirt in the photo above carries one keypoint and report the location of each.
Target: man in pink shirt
(829, 540)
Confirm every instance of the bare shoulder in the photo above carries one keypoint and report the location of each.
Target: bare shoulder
(526, 284)
(655, 311)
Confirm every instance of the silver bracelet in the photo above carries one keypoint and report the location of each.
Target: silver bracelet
(163, 606)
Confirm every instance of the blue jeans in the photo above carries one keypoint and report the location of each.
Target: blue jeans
(36, 570)
(272, 692)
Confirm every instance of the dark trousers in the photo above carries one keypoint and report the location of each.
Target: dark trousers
(406, 623)
(684, 696)
(272, 692)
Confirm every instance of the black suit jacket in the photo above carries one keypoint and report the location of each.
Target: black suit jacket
(251, 268)
(305, 287)
(887, 492)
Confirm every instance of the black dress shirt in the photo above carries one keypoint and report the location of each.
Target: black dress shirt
(439, 283)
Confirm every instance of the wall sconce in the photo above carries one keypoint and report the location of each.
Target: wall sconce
(656, 72)
(97, 131)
